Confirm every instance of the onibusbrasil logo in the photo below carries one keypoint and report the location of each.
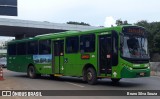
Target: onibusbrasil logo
(21, 93)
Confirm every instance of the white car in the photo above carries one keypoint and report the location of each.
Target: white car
(3, 62)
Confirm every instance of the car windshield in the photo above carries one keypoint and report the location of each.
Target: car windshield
(134, 46)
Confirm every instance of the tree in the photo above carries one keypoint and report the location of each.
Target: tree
(156, 43)
(120, 22)
(78, 23)
(153, 32)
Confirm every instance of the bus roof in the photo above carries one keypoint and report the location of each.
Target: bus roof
(70, 33)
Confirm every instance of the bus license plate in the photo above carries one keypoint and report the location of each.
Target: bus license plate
(141, 74)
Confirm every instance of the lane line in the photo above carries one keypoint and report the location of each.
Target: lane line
(75, 84)
(155, 76)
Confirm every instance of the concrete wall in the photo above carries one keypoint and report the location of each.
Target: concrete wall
(155, 57)
(3, 51)
(155, 68)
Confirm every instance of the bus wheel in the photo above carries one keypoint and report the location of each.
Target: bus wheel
(115, 80)
(31, 72)
(91, 76)
(84, 75)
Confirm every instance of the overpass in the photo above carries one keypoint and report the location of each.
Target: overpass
(24, 28)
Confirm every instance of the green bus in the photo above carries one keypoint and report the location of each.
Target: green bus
(115, 53)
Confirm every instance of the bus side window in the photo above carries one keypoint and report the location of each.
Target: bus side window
(45, 47)
(72, 44)
(21, 48)
(11, 49)
(115, 48)
(32, 47)
(87, 43)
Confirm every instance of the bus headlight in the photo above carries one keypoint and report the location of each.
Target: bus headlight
(131, 68)
(148, 67)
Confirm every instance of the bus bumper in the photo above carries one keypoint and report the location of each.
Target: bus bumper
(126, 73)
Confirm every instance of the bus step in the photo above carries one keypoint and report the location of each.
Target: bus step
(58, 75)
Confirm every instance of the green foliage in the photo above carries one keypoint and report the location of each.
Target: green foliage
(153, 29)
(78, 23)
(120, 22)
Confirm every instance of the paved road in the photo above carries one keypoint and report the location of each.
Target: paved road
(19, 81)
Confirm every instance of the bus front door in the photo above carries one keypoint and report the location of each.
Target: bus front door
(58, 56)
(105, 54)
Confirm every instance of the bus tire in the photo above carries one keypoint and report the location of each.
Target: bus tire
(115, 80)
(84, 75)
(91, 76)
(31, 72)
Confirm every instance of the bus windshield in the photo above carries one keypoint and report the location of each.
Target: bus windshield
(134, 46)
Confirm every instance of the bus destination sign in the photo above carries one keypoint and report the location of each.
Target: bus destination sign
(134, 30)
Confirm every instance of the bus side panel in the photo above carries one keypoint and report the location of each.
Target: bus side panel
(11, 63)
(74, 64)
(43, 64)
(17, 63)
(21, 63)
(43, 68)
(71, 64)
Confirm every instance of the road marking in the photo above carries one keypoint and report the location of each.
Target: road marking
(155, 76)
(75, 84)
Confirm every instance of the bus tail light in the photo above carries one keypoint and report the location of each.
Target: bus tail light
(85, 56)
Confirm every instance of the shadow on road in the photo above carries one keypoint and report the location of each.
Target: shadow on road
(102, 82)
(122, 84)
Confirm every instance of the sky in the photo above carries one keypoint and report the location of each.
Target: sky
(95, 12)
